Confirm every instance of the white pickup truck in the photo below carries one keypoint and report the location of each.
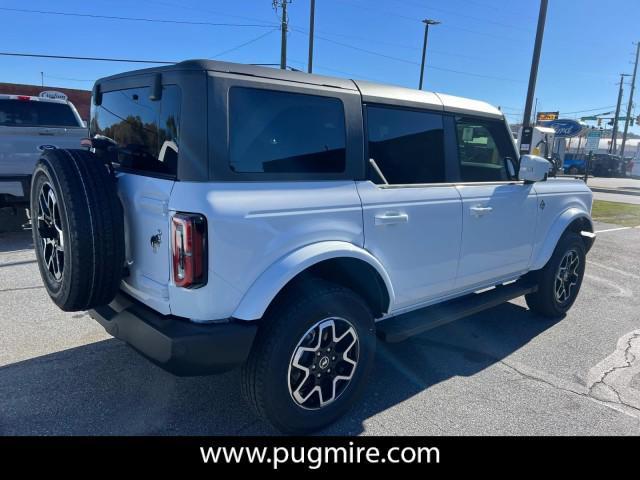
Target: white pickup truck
(231, 215)
(29, 126)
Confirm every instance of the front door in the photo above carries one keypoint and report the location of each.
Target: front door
(499, 212)
(413, 220)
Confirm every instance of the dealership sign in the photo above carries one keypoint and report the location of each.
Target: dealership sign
(546, 116)
(565, 128)
(53, 95)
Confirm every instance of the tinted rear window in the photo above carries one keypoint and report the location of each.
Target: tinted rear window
(146, 131)
(407, 145)
(281, 132)
(33, 113)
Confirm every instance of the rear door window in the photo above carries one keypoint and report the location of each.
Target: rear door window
(407, 145)
(146, 132)
(34, 113)
(280, 132)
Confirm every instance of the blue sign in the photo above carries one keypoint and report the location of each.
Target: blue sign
(565, 128)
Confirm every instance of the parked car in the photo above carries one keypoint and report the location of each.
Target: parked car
(607, 165)
(232, 215)
(573, 165)
(29, 126)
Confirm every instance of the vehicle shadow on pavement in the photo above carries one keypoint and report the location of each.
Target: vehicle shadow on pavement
(106, 388)
(15, 241)
(460, 349)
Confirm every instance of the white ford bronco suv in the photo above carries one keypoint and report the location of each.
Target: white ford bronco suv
(232, 215)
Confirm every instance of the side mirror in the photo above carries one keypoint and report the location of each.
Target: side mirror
(533, 168)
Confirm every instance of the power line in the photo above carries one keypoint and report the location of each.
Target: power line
(410, 62)
(67, 78)
(136, 19)
(69, 57)
(127, 60)
(390, 44)
(387, 13)
(493, 7)
(462, 15)
(200, 9)
(588, 110)
(238, 47)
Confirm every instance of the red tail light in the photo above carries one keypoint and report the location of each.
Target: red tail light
(189, 250)
(24, 97)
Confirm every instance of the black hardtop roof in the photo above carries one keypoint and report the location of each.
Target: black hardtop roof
(370, 91)
(242, 69)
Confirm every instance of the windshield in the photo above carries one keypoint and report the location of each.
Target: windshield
(29, 113)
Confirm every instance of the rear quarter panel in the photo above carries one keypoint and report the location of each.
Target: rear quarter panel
(253, 224)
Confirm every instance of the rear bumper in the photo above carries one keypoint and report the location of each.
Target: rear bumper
(175, 344)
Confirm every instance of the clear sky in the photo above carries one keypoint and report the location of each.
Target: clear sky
(481, 50)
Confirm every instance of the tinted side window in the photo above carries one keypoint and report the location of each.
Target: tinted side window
(34, 113)
(281, 132)
(407, 145)
(147, 132)
(482, 147)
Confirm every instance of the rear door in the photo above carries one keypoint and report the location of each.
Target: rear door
(413, 224)
(147, 135)
(499, 212)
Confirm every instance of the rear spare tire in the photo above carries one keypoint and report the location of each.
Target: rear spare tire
(78, 229)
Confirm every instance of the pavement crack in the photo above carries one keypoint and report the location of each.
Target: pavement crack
(628, 363)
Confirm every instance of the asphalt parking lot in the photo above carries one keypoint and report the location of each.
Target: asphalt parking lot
(505, 371)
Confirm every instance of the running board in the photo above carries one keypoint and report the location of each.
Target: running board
(401, 327)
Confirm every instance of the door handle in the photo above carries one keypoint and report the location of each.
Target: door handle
(391, 218)
(478, 210)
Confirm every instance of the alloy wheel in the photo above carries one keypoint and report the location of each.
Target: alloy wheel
(567, 276)
(323, 363)
(50, 231)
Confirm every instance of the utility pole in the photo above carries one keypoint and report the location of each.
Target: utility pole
(312, 22)
(614, 133)
(42, 78)
(426, 22)
(527, 131)
(630, 107)
(283, 27)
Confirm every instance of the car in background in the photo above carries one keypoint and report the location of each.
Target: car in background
(28, 127)
(573, 165)
(607, 165)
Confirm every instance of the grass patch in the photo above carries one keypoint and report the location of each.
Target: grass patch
(619, 213)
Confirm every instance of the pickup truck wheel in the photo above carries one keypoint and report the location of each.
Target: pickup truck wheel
(311, 358)
(560, 280)
(78, 229)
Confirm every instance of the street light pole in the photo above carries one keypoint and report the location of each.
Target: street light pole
(312, 21)
(527, 131)
(426, 22)
(630, 107)
(614, 132)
